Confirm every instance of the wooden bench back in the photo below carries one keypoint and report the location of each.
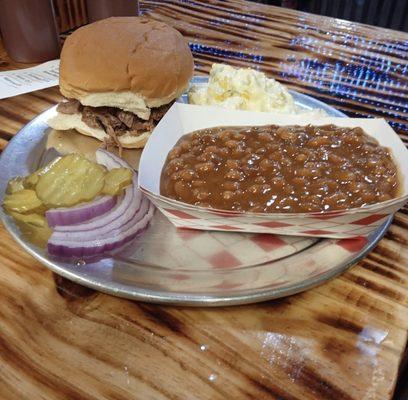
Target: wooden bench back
(70, 14)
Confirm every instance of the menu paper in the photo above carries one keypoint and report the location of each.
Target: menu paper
(13, 83)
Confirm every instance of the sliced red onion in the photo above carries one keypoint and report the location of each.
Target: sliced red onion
(111, 242)
(125, 206)
(110, 231)
(109, 160)
(81, 213)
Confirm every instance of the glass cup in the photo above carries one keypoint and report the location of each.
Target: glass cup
(28, 30)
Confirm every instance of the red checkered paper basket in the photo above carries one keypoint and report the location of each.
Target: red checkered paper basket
(182, 119)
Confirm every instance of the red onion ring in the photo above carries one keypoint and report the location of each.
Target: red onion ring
(128, 232)
(81, 213)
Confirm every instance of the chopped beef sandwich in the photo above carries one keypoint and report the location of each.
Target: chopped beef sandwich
(120, 76)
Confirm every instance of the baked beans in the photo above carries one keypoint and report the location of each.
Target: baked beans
(279, 169)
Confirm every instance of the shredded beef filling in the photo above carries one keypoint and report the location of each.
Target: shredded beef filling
(69, 107)
(114, 121)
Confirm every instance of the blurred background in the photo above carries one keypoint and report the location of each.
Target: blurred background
(391, 14)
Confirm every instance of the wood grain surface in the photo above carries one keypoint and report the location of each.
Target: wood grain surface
(345, 340)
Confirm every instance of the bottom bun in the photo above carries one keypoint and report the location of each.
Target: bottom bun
(63, 122)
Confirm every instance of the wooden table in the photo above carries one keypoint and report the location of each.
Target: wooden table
(344, 340)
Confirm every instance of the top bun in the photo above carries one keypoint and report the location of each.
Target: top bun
(132, 63)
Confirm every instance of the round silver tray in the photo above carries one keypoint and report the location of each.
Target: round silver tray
(169, 265)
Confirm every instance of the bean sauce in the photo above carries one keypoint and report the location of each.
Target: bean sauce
(288, 169)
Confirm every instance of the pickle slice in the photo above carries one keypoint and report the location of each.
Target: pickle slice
(23, 201)
(15, 185)
(71, 180)
(32, 219)
(116, 180)
(31, 180)
(37, 235)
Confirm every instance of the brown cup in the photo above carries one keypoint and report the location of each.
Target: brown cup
(100, 9)
(28, 30)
